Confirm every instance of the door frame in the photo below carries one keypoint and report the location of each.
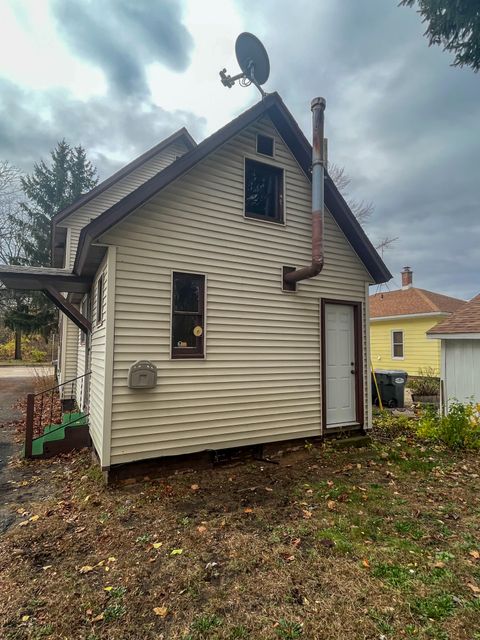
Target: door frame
(359, 363)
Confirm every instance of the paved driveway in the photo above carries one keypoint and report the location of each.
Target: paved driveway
(15, 383)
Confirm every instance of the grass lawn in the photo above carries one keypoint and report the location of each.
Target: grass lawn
(377, 543)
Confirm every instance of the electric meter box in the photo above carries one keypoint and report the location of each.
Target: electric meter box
(142, 375)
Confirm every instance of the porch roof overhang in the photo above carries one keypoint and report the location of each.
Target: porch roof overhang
(53, 282)
(39, 278)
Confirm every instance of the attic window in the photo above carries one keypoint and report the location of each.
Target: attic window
(263, 191)
(265, 145)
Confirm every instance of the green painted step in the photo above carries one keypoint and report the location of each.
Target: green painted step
(57, 432)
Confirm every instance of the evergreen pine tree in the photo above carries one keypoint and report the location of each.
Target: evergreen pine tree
(50, 189)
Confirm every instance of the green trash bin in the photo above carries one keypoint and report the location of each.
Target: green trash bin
(391, 384)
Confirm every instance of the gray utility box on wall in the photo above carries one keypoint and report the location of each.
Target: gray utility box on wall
(142, 375)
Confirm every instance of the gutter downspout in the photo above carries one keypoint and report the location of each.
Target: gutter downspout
(290, 277)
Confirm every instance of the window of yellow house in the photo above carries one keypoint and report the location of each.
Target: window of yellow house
(397, 344)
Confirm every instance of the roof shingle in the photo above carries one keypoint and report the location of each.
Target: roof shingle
(403, 302)
(465, 320)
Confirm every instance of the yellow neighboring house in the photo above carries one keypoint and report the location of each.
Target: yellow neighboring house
(399, 321)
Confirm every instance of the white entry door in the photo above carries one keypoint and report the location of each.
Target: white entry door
(340, 364)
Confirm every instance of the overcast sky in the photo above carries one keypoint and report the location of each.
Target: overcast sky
(119, 75)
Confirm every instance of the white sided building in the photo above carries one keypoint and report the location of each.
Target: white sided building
(460, 354)
(176, 312)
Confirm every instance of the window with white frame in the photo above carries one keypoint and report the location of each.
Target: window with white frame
(397, 344)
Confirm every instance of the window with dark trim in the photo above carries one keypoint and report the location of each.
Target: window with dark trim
(263, 191)
(265, 145)
(188, 313)
(100, 300)
(397, 344)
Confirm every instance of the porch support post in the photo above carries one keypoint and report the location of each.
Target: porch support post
(68, 309)
(29, 424)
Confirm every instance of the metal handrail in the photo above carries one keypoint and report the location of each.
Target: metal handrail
(62, 384)
(30, 414)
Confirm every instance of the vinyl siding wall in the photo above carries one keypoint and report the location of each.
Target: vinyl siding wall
(68, 355)
(419, 352)
(81, 349)
(80, 218)
(98, 348)
(260, 380)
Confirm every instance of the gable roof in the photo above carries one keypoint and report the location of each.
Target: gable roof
(88, 257)
(465, 320)
(412, 301)
(180, 135)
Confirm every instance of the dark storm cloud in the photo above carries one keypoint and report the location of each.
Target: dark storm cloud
(113, 132)
(399, 118)
(122, 36)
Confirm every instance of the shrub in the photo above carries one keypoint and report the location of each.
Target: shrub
(459, 429)
(33, 349)
(427, 383)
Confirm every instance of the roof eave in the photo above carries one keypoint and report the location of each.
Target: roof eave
(301, 149)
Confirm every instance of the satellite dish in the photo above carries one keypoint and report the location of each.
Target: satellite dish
(253, 60)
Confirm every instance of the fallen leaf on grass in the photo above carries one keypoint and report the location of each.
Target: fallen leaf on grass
(194, 487)
(25, 618)
(33, 518)
(176, 552)
(86, 569)
(98, 618)
(475, 554)
(201, 529)
(306, 514)
(473, 587)
(107, 588)
(331, 505)
(248, 510)
(160, 611)
(366, 563)
(23, 524)
(157, 545)
(296, 542)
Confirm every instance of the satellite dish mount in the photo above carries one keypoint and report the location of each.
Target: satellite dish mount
(253, 60)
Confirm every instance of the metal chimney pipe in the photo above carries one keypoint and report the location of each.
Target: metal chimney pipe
(318, 197)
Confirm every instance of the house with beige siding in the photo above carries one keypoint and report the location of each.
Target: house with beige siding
(178, 314)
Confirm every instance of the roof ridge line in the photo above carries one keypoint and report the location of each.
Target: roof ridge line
(422, 293)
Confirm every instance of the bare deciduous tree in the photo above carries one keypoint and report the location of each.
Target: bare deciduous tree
(10, 244)
(361, 210)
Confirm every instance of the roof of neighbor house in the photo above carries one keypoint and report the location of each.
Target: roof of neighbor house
(412, 301)
(89, 256)
(464, 320)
